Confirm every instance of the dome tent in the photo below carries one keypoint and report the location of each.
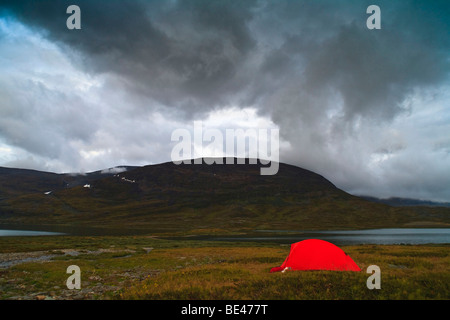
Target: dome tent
(314, 254)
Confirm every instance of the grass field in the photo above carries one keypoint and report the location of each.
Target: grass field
(142, 267)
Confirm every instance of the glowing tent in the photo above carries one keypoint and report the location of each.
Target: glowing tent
(316, 254)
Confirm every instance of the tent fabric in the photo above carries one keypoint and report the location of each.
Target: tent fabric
(314, 254)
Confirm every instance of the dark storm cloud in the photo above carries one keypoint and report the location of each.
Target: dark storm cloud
(185, 53)
(198, 55)
(372, 71)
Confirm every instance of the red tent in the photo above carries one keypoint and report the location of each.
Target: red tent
(316, 254)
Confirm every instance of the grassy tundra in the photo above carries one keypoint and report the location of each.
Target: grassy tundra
(142, 267)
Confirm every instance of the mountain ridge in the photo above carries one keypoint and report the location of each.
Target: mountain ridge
(191, 197)
(403, 202)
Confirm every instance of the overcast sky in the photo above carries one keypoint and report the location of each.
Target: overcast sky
(367, 109)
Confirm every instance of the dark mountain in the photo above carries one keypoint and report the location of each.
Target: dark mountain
(15, 182)
(196, 198)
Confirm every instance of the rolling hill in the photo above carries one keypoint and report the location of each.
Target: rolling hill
(196, 198)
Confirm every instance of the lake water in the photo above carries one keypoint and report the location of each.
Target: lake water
(338, 237)
(11, 233)
(352, 237)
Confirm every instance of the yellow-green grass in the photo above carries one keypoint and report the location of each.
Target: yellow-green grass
(243, 273)
(127, 269)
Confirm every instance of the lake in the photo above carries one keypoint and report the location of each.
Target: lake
(338, 237)
(347, 237)
(26, 233)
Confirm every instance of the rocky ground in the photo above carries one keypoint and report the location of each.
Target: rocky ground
(94, 287)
